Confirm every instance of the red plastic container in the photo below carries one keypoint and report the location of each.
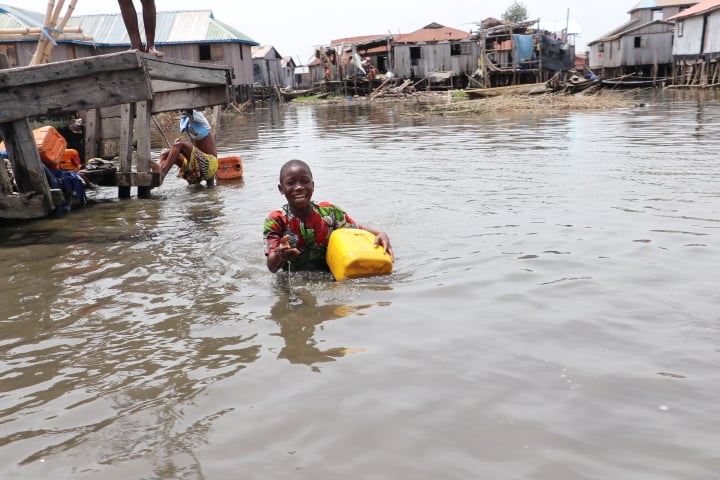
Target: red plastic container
(51, 145)
(229, 167)
(70, 160)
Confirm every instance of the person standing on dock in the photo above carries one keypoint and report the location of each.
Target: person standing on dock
(197, 161)
(129, 16)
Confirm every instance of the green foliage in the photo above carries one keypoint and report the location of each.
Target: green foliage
(54, 122)
(517, 12)
(309, 98)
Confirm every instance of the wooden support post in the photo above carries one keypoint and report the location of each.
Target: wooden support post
(6, 187)
(5, 181)
(127, 124)
(27, 167)
(144, 117)
(217, 112)
(93, 132)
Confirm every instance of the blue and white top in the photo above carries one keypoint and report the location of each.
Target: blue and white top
(195, 124)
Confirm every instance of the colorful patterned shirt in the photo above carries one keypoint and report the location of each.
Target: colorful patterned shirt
(202, 166)
(310, 236)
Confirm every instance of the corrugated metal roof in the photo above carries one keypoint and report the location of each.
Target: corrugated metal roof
(629, 31)
(186, 26)
(660, 4)
(700, 8)
(265, 51)
(360, 39)
(433, 33)
(613, 33)
(104, 29)
(13, 17)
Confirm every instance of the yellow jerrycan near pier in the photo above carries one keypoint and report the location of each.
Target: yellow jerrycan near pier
(352, 253)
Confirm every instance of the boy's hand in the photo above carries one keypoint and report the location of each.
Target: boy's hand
(286, 251)
(382, 240)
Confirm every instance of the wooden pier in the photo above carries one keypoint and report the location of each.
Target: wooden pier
(141, 84)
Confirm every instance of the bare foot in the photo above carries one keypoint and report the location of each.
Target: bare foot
(154, 51)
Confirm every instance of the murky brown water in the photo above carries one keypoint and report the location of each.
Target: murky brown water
(553, 313)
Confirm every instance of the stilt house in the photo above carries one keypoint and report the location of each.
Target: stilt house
(267, 66)
(519, 53)
(439, 54)
(287, 67)
(642, 46)
(696, 49)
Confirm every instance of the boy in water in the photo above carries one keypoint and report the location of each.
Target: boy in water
(299, 232)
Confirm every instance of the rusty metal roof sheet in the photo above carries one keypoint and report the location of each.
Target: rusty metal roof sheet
(661, 4)
(697, 9)
(433, 32)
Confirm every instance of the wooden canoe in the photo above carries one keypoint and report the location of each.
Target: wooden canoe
(630, 81)
(523, 89)
(229, 167)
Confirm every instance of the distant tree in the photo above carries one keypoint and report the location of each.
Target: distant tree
(517, 12)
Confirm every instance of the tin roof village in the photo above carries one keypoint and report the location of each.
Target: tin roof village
(665, 40)
(82, 65)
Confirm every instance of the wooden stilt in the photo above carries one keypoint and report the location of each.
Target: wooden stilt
(27, 168)
(144, 118)
(127, 124)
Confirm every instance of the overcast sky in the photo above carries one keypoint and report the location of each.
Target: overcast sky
(294, 27)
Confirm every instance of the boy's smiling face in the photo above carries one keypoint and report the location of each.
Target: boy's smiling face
(297, 184)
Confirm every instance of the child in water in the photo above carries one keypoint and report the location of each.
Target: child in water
(299, 232)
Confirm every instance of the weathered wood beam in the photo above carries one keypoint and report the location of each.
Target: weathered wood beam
(70, 95)
(174, 70)
(193, 98)
(25, 159)
(23, 206)
(72, 69)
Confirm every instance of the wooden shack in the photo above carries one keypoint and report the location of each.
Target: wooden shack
(440, 54)
(643, 45)
(645, 50)
(140, 84)
(521, 53)
(696, 47)
(287, 72)
(267, 66)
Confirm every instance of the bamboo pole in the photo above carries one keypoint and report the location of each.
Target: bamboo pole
(41, 43)
(34, 30)
(60, 27)
(52, 31)
(72, 36)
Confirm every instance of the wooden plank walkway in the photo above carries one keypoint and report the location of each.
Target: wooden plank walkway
(141, 84)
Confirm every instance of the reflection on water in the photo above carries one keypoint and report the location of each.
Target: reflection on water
(298, 314)
(552, 307)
